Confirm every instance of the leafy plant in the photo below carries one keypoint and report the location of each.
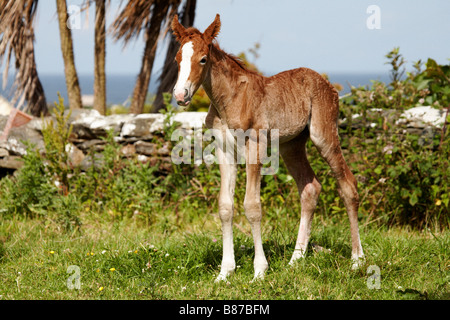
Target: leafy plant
(434, 82)
(57, 146)
(420, 87)
(30, 190)
(396, 61)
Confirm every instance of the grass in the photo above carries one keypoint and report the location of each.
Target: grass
(126, 259)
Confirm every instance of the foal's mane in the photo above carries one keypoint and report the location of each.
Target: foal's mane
(237, 62)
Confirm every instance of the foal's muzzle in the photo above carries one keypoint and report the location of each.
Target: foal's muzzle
(183, 98)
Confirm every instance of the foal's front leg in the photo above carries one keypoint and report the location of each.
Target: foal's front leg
(252, 207)
(226, 208)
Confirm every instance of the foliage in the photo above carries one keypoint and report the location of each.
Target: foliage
(29, 190)
(435, 81)
(420, 87)
(169, 125)
(57, 145)
(17, 22)
(396, 61)
(200, 101)
(403, 178)
(40, 189)
(32, 193)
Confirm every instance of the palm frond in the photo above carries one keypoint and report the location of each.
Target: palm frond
(17, 40)
(136, 16)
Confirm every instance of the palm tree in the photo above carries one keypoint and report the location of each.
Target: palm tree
(100, 57)
(136, 16)
(72, 83)
(99, 53)
(17, 37)
(170, 71)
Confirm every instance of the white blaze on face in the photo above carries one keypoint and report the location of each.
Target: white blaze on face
(185, 69)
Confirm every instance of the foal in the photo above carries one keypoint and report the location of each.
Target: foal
(299, 103)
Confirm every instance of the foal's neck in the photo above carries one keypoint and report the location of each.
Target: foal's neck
(223, 83)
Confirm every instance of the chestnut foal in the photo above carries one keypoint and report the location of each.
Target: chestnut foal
(299, 103)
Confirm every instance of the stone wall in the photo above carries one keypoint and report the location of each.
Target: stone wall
(142, 136)
(139, 135)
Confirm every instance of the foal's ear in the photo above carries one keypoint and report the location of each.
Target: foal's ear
(213, 30)
(178, 29)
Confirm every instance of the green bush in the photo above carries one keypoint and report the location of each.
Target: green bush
(403, 181)
(430, 86)
(33, 193)
(30, 191)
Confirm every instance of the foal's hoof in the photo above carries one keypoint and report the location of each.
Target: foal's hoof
(295, 257)
(358, 262)
(260, 271)
(221, 277)
(224, 273)
(258, 277)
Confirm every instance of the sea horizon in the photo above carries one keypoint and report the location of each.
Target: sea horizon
(119, 87)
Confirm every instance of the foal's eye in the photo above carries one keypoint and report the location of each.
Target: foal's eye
(203, 61)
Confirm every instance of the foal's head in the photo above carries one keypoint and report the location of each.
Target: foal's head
(192, 58)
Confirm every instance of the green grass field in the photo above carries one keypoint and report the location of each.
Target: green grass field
(128, 260)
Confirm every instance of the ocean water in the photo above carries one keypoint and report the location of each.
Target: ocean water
(120, 87)
(357, 79)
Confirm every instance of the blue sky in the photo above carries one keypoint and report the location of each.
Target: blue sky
(326, 35)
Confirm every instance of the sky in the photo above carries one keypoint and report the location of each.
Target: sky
(329, 36)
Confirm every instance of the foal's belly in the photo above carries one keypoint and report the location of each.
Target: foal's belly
(290, 121)
(288, 134)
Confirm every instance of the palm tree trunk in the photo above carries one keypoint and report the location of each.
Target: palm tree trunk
(151, 43)
(72, 83)
(37, 104)
(170, 69)
(100, 56)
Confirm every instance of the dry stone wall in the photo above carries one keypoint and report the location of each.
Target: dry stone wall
(139, 135)
(142, 135)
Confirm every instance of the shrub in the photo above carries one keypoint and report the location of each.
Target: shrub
(30, 191)
(430, 86)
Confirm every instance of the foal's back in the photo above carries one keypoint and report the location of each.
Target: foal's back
(291, 97)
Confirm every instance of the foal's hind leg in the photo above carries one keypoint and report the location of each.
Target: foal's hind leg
(294, 156)
(324, 134)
